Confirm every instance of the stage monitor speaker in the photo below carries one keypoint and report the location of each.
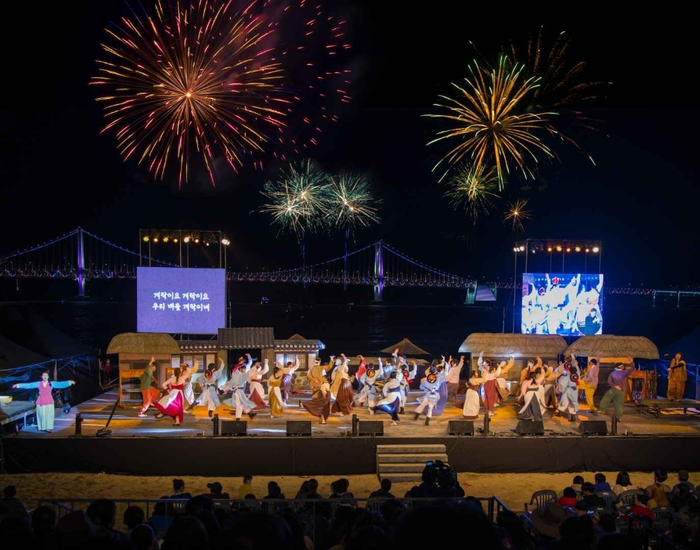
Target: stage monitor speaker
(234, 427)
(370, 427)
(593, 427)
(299, 428)
(530, 427)
(461, 427)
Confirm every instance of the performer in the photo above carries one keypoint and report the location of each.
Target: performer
(392, 398)
(532, 391)
(257, 392)
(287, 378)
(443, 368)
(407, 376)
(589, 383)
(677, 377)
(369, 388)
(45, 406)
(617, 382)
(490, 374)
(567, 384)
(236, 384)
(274, 384)
(320, 404)
(452, 379)
(149, 394)
(529, 369)
(360, 371)
(210, 396)
(317, 374)
(430, 385)
(341, 388)
(172, 404)
(187, 390)
(470, 409)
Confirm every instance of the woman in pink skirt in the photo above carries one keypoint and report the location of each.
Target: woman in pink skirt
(172, 404)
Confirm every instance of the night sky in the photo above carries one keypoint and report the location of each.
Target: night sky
(58, 172)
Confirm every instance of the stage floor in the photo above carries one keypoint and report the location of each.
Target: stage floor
(126, 423)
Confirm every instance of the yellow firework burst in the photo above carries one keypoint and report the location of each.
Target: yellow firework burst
(518, 214)
(474, 189)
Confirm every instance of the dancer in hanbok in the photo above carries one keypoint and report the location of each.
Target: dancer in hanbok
(210, 396)
(369, 387)
(317, 374)
(173, 403)
(567, 384)
(255, 376)
(149, 393)
(491, 373)
(470, 409)
(236, 384)
(361, 369)
(187, 390)
(532, 392)
(444, 370)
(45, 406)
(406, 377)
(320, 403)
(430, 385)
(274, 384)
(341, 388)
(392, 398)
(288, 371)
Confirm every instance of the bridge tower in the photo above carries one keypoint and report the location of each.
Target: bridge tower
(378, 271)
(81, 264)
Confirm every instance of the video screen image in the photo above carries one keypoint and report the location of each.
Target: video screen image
(568, 304)
(180, 300)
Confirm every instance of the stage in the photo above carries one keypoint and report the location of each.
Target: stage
(147, 446)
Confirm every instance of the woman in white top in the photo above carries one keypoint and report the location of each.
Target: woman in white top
(623, 483)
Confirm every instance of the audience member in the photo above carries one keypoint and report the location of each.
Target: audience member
(640, 508)
(11, 506)
(186, 533)
(660, 476)
(216, 491)
(569, 498)
(143, 538)
(589, 500)
(179, 490)
(623, 483)
(133, 516)
(601, 485)
(576, 485)
(247, 487)
(657, 497)
(683, 477)
(274, 491)
(384, 492)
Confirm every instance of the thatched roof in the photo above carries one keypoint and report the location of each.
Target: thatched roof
(530, 345)
(145, 343)
(299, 343)
(636, 347)
(406, 348)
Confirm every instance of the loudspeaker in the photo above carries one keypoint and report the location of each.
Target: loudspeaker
(233, 427)
(461, 427)
(299, 428)
(530, 427)
(593, 427)
(370, 427)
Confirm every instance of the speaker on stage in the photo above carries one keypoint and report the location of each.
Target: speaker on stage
(299, 428)
(233, 427)
(370, 427)
(593, 427)
(530, 427)
(461, 427)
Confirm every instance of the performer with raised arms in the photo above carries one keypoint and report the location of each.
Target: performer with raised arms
(210, 396)
(369, 388)
(430, 385)
(255, 376)
(236, 384)
(490, 373)
(392, 398)
(173, 403)
(287, 373)
(45, 406)
(341, 388)
(320, 403)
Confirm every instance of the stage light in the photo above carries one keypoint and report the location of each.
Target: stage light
(186, 239)
(533, 250)
(515, 249)
(146, 239)
(522, 249)
(558, 248)
(549, 249)
(175, 240)
(207, 243)
(225, 242)
(588, 250)
(155, 239)
(577, 249)
(568, 250)
(166, 239)
(596, 249)
(196, 241)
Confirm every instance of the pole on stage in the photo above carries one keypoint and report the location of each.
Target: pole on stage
(487, 421)
(355, 422)
(217, 425)
(106, 431)
(613, 427)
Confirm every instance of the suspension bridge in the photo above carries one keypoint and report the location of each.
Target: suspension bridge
(81, 256)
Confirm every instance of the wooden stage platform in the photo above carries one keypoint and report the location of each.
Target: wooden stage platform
(156, 447)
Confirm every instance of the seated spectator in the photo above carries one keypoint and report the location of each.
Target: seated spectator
(11, 506)
(274, 491)
(186, 532)
(341, 491)
(74, 530)
(601, 485)
(44, 526)
(569, 498)
(547, 520)
(216, 491)
(658, 497)
(680, 500)
(179, 488)
(133, 516)
(589, 499)
(576, 485)
(313, 489)
(303, 490)
(511, 522)
(103, 515)
(660, 476)
(623, 483)
(683, 477)
(428, 488)
(161, 520)
(640, 508)
(247, 487)
(143, 538)
(384, 492)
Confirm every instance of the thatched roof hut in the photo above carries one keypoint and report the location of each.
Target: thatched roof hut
(143, 343)
(637, 347)
(501, 345)
(406, 348)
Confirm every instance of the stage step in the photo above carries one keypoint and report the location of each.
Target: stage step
(405, 463)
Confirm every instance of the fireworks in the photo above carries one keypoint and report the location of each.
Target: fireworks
(298, 199)
(517, 214)
(474, 189)
(490, 124)
(207, 80)
(350, 202)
